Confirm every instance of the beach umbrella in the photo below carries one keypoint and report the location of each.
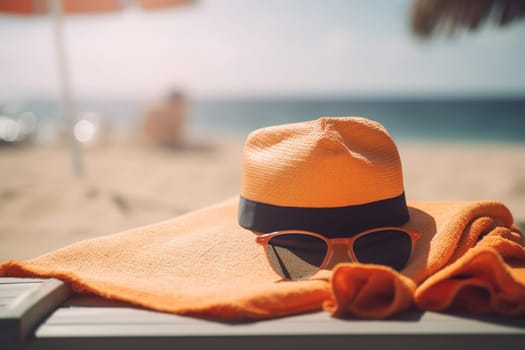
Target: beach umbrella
(431, 16)
(57, 9)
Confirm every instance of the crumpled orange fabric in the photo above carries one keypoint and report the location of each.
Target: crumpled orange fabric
(471, 257)
(204, 264)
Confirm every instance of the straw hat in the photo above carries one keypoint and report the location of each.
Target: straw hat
(335, 175)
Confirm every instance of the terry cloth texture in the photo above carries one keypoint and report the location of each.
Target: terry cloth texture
(204, 264)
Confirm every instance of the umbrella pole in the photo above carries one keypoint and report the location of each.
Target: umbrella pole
(65, 87)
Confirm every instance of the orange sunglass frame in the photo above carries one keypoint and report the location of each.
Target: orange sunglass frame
(263, 240)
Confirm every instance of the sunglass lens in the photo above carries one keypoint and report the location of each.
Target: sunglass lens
(296, 256)
(387, 247)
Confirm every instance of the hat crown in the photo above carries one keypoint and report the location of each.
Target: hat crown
(328, 162)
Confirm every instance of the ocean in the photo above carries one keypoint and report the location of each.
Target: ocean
(467, 120)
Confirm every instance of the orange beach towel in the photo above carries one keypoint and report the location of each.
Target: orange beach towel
(204, 264)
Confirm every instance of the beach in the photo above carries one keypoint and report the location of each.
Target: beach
(127, 184)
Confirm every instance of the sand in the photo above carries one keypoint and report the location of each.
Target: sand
(128, 183)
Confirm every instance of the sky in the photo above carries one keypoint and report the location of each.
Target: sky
(279, 48)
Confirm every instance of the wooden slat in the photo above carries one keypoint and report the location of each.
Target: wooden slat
(14, 290)
(125, 327)
(27, 303)
(16, 280)
(132, 322)
(85, 322)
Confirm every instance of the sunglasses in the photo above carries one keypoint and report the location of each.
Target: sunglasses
(297, 254)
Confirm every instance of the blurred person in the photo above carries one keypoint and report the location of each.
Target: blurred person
(164, 122)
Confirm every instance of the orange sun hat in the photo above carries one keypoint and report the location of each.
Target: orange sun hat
(335, 175)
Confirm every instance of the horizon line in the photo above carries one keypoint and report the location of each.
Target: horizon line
(294, 96)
